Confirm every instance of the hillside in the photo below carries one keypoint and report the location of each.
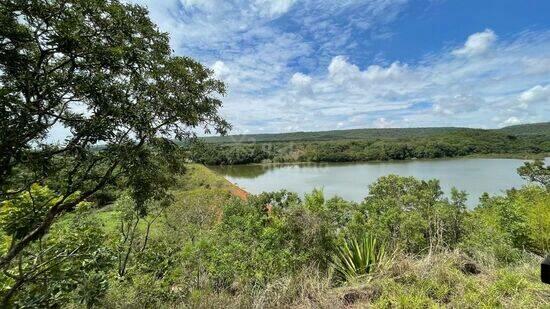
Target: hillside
(389, 133)
(542, 128)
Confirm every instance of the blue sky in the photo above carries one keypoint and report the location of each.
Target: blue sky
(304, 65)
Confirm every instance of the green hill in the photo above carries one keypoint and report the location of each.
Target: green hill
(367, 134)
(542, 128)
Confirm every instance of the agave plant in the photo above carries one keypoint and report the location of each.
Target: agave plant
(357, 257)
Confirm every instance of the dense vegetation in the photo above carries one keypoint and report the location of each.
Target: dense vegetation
(206, 248)
(101, 70)
(373, 144)
(369, 134)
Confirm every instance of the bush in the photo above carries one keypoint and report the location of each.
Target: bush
(357, 257)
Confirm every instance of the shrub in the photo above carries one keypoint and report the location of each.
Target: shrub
(357, 257)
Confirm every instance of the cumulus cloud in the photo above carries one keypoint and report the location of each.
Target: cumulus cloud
(220, 69)
(263, 50)
(536, 94)
(300, 80)
(453, 91)
(376, 72)
(340, 70)
(477, 43)
(510, 121)
(274, 7)
(383, 123)
(460, 103)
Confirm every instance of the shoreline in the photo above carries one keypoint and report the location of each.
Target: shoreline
(518, 156)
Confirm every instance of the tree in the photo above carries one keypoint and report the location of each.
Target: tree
(413, 214)
(104, 72)
(71, 259)
(536, 171)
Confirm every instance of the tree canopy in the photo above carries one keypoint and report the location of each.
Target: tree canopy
(101, 71)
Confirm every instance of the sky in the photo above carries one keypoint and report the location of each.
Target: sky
(310, 65)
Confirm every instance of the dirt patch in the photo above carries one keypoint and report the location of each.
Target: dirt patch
(240, 193)
(366, 295)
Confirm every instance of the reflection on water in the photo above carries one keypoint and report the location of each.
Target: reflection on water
(255, 170)
(243, 171)
(351, 180)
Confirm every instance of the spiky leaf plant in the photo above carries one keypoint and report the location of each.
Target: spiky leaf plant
(357, 257)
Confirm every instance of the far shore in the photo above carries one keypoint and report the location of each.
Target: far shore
(519, 156)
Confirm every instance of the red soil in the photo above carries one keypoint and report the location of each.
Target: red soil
(240, 193)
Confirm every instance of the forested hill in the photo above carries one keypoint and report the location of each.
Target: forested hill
(374, 144)
(542, 128)
(390, 133)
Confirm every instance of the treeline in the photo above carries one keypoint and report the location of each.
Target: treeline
(542, 128)
(450, 144)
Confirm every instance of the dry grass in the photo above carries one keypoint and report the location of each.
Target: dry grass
(449, 280)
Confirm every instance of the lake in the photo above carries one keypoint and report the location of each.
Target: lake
(351, 180)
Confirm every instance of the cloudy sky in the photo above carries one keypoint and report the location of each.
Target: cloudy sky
(306, 65)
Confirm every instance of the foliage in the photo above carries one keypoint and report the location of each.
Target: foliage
(440, 281)
(344, 146)
(517, 221)
(248, 245)
(413, 214)
(103, 71)
(68, 265)
(542, 129)
(536, 172)
(357, 257)
(25, 211)
(208, 248)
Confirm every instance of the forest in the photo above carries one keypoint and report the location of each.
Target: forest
(115, 214)
(373, 145)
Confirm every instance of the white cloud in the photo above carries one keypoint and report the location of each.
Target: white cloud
(221, 70)
(477, 43)
(536, 94)
(300, 80)
(460, 103)
(511, 121)
(376, 72)
(264, 65)
(340, 70)
(476, 92)
(383, 123)
(274, 7)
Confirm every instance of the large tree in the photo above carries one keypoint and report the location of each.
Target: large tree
(102, 72)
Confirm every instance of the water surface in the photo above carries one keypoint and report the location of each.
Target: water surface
(351, 180)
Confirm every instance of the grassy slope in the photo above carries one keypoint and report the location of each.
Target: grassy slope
(197, 182)
(429, 282)
(393, 133)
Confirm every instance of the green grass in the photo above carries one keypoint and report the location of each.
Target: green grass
(197, 184)
(435, 281)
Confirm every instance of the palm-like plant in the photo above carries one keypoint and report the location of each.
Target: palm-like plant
(357, 257)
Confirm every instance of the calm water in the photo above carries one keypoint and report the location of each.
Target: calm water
(351, 180)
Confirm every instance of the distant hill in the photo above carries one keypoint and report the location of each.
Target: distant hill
(542, 128)
(392, 133)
